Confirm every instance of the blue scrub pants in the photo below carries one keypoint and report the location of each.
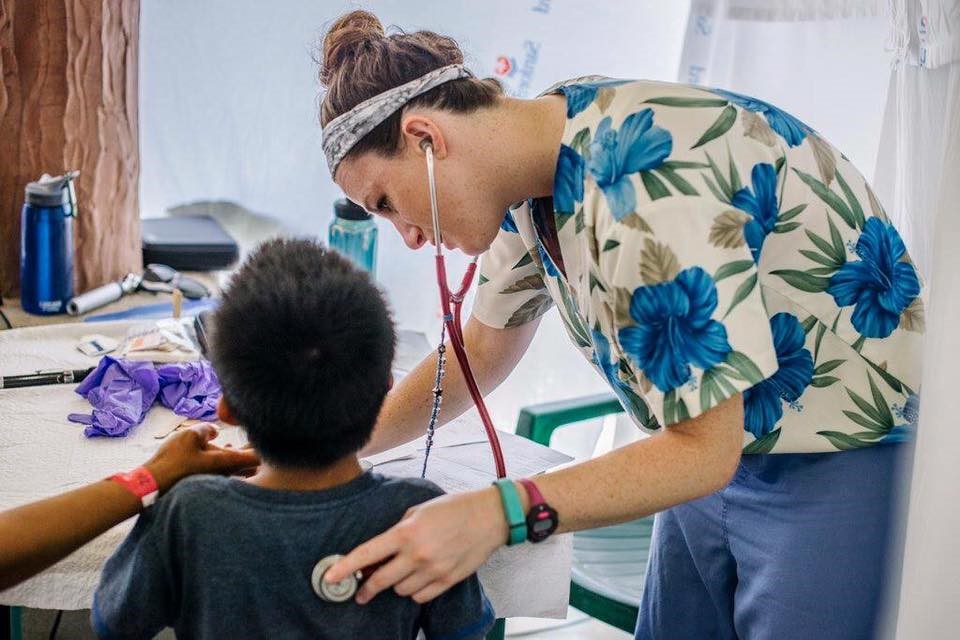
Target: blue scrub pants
(796, 546)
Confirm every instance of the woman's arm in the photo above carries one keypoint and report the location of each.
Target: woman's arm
(493, 353)
(36, 535)
(440, 542)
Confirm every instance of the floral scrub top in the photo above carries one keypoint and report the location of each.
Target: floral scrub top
(700, 243)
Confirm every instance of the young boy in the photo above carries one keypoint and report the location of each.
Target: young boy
(303, 344)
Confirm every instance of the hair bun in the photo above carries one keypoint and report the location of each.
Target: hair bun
(345, 37)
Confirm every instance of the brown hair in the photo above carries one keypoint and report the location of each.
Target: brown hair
(360, 60)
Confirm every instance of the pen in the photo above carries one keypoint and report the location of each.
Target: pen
(68, 376)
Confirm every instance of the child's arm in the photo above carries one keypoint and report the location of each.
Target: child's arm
(36, 535)
(462, 613)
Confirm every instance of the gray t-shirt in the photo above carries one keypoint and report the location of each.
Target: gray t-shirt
(221, 558)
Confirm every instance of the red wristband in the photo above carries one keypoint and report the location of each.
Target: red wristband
(140, 482)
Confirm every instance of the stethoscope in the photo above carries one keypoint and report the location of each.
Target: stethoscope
(450, 306)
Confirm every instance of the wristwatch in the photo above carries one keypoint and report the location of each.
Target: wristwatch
(140, 482)
(542, 519)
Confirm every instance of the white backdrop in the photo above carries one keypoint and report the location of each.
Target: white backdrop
(228, 112)
(824, 61)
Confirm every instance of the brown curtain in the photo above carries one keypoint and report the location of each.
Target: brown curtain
(68, 100)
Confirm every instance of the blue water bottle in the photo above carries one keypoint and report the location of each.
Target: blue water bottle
(46, 244)
(353, 233)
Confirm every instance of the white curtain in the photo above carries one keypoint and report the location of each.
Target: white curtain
(820, 60)
(918, 177)
(228, 112)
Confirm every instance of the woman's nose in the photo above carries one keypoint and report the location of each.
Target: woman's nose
(411, 235)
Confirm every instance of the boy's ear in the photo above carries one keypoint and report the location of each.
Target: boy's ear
(390, 381)
(224, 414)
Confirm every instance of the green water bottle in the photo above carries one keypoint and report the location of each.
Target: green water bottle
(353, 233)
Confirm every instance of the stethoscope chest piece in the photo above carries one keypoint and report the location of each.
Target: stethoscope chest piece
(332, 592)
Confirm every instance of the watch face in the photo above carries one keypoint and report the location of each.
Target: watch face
(541, 522)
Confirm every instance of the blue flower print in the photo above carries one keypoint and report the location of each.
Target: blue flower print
(638, 146)
(568, 181)
(674, 329)
(548, 266)
(601, 356)
(879, 285)
(581, 96)
(509, 224)
(905, 432)
(789, 127)
(761, 204)
(763, 403)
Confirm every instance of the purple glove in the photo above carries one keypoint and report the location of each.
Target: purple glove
(190, 389)
(121, 392)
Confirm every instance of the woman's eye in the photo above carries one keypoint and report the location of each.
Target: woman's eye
(383, 205)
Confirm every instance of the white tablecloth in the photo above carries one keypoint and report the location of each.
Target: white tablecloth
(42, 454)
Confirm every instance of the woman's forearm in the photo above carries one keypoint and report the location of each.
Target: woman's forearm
(685, 462)
(440, 542)
(493, 354)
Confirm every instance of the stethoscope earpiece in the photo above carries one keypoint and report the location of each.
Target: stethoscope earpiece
(426, 143)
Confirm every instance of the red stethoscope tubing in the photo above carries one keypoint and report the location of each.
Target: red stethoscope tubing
(450, 306)
(451, 319)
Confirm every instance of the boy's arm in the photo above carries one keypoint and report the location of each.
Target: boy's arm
(135, 596)
(462, 613)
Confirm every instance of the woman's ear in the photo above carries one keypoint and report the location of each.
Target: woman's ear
(224, 414)
(417, 130)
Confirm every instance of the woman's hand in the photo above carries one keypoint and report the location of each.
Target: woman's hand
(436, 545)
(190, 451)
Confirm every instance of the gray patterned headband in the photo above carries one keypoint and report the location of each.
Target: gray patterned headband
(343, 132)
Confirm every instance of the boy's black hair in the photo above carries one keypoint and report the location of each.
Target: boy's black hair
(303, 343)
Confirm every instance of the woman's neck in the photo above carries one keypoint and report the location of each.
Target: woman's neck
(525, 135)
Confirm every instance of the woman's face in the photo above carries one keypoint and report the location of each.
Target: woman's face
(396, 188)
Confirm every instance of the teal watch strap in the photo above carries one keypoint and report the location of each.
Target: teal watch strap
(513, 510)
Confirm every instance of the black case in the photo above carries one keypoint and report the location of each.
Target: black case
(187, 243)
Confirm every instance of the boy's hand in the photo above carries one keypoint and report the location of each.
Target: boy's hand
(190, 451)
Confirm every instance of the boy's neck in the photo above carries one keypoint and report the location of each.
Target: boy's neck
(339, 472)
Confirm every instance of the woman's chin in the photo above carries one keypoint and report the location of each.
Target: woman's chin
(473, 249)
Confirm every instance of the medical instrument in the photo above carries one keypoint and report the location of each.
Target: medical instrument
(156, 278)
(68, 376)
(46, 244)
(346, 588)
(333, 591)
(450, 306)
(101, 296)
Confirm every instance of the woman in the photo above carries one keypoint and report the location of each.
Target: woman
(727, 271)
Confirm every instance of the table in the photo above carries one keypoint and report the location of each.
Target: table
(44, 454)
